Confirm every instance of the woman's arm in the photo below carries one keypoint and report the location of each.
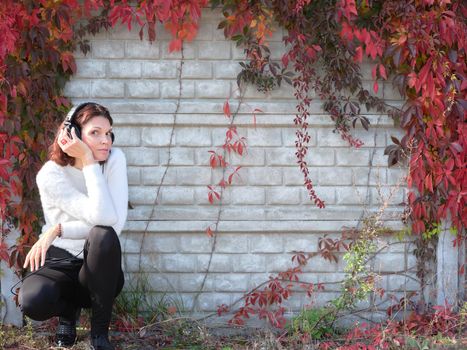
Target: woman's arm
(95, 208)
(117, 181)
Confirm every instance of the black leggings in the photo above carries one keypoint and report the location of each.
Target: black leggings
(63, 286)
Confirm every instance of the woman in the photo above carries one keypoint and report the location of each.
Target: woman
(77, 260)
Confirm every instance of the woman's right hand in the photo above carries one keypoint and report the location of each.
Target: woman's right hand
(74, 147)
(36, 256)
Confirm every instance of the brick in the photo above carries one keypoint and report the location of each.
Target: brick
(219, 135)
(143, 89)
(327, 138)
(266, 243)
(214, 50)
(156, 136)
(205, 31)
(161, 243)
(389, 262)
(210, 301)
(264, 176)
(369, 176)
(177, 195)
(264, 137)
(127, 136)
(325, 193)
(131, 243)
(253, 156)
(289, 137)
(195, 243)
(231, 282)
(212, 89)
(141, 156)
(232, 243)
(352, 157)
(226, 70)
(123, 69)
(320, 157)
(300, 242)
(107, 88)
(193, 176)
(335, 176)
(281, 156)
(108, 49)
(153, 176)
(193, 282)
(171, 89)
(161, 70)
(402, 283)
(219, 262)
(369, 139)
(392, 195)
(88, 68)
(283, 195)
(134, 176)
(250, 263)
(201, 196)
(397, 176)
(293, 176)
(319, 264)
(278, 262)
(142, 49)
(248, 195)
(378, 158)
(193, 136)
(178, 262)
(353, 196)
(178, 156)
(142, 195)
(163, 282)
(197, 70)
(77, 88)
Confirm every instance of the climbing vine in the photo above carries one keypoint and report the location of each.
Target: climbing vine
(419, 44)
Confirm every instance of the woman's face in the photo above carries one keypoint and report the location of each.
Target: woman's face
(96, 134)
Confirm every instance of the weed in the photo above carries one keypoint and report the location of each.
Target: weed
(316, 323)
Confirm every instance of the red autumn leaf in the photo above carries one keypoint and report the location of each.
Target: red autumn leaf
(209, 232)
(382, 72)
(227, 109)
(375, 87)
(175, 45)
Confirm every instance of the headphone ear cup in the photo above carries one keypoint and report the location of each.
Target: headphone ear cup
(69, 126)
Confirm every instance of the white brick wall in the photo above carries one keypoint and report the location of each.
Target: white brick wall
(267, 213)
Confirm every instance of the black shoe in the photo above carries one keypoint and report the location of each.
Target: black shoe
(101, 342)
(66, 331)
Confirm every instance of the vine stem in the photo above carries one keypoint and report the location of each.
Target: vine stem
(169, 158)
(219, 212)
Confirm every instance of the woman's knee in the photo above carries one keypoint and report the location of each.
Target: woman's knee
(36, 303)
(104, 238)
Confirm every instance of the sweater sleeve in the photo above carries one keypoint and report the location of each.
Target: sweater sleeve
(95, 208)
(118, 186)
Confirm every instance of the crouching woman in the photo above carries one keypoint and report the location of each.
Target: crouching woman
(76, 263)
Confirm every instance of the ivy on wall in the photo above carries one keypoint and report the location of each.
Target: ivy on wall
(420, 44)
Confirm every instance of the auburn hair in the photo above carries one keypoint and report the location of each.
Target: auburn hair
(84, 115)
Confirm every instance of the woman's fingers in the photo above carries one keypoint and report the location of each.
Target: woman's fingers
(43, 253)
(26, 260)
(37, 258)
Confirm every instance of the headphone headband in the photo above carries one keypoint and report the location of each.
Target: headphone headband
(75, 110)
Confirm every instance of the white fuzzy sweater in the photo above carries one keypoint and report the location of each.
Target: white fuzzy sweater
(81, 199)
